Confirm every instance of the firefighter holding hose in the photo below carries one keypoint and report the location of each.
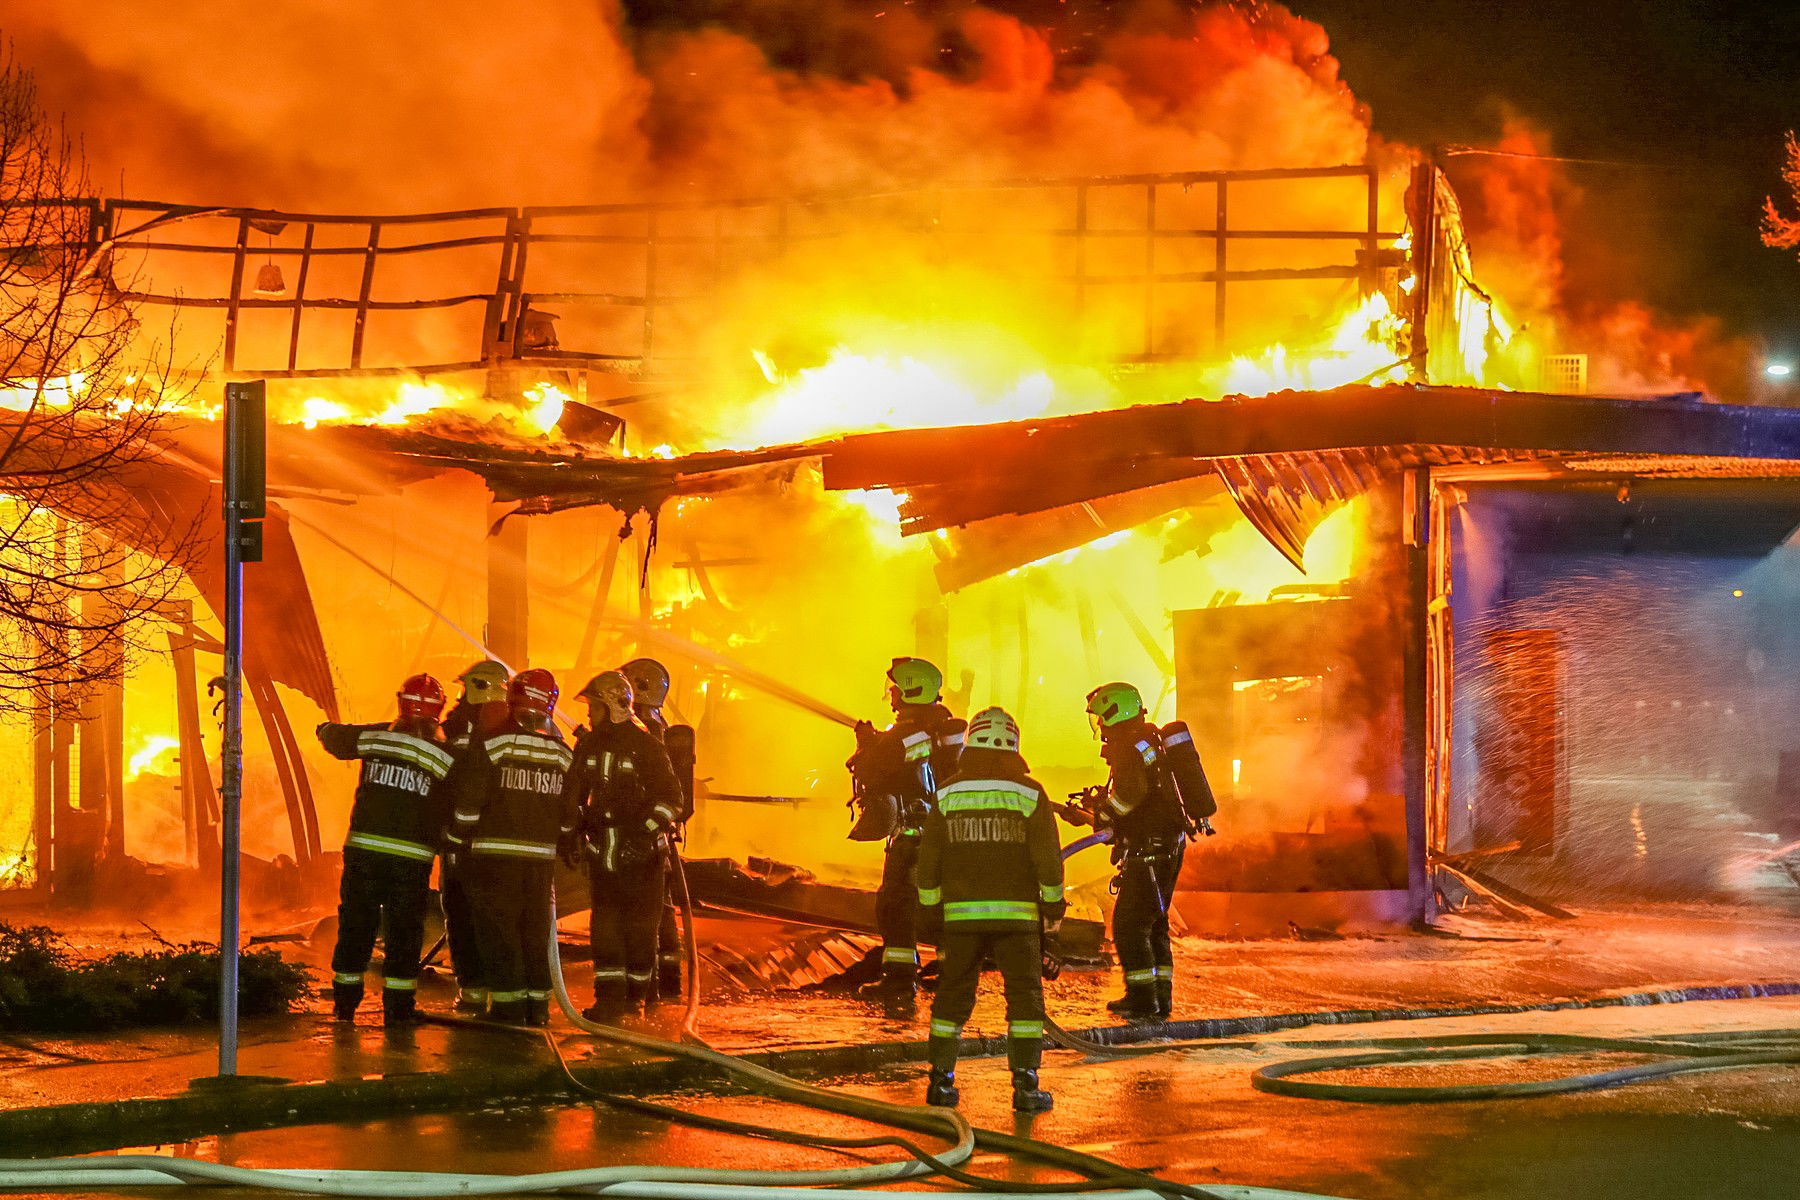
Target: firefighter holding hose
(480, 710)
(989, 863)
(895, 772)
(1155, 796)
(649, 681)
(395, 822)
(511, 811)
(629, 800)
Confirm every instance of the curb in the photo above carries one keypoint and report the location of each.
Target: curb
(81, 1128)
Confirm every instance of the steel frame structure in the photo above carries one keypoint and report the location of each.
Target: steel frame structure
(521, 244)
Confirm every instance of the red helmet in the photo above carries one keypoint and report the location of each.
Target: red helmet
(533, 691)
(421, 699)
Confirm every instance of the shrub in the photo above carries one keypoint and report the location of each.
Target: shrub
(46, 987)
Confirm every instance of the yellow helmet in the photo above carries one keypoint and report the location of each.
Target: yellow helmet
(1113, 703)
(484, 682)
(916, 681)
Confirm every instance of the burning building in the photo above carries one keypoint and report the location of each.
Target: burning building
(833, 371)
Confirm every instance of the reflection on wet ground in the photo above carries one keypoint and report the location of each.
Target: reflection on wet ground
(1192, 1115)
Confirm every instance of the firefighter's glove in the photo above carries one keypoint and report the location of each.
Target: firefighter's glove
(568, 848)
(1053, 915)
(1206, 827)
(865, 732)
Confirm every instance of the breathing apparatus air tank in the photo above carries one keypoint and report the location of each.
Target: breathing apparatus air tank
(1182, 759)
(678, 740)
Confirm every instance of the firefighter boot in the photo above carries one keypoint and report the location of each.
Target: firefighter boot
(508, 1011)
(1028, 1097)
(537, 1011)
(399, 1006)
(641, 994)
(1139, 1001)
(472, 1001)
(940, 1053)
(668, 973)
(1165, 995)
(940, 1091)
(898, 988)
(609, 999)
(345, 997)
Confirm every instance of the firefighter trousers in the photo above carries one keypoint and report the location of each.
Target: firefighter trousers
(626, 906)
(668, 937)
(1146, 883)
(1018, 954)
(382, 894)
(459, 929)
(512, 897)
(897, 908)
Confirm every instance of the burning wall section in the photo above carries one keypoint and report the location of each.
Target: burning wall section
(781, 587)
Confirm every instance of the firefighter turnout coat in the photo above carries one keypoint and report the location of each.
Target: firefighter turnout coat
(989, 858)
(399, 808)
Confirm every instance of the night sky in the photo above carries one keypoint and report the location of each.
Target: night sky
(1703, 91)
(1698, 93)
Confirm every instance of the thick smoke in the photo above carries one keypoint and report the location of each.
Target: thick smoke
(1574, 294)
(335, 105)
(405, 106)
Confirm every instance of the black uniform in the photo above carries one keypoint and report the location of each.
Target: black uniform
(395, 824)
(990, 861)
(628, 800)
(668, 933)
(464, 723)
(905, 762)
(511, 809)
(1150, 837)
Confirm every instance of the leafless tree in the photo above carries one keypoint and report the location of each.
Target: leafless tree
(83, 394)
(1779, 231)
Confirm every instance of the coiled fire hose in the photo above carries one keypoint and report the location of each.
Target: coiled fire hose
(662, 1182)
(1680, 1054)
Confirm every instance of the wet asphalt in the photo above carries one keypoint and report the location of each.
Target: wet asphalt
(1192, 1115)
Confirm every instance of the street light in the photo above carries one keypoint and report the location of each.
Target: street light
(1778, 370)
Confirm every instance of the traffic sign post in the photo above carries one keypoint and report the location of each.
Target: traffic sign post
(246, 413)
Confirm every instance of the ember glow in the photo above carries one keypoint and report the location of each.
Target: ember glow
(1198, 212)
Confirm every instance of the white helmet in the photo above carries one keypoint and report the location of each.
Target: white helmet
(993, 729)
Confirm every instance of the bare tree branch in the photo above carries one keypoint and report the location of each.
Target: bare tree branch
(83, 395)
(1780, 231)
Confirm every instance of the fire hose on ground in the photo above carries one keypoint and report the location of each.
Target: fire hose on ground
(1104, 1180)
(1681, 1054)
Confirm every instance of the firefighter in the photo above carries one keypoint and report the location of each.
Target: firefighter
(480, 710)
(511, 811)
(895, 773)
(628, 800)
(990, 863)
(649, 681)
(1150, 829)
(395, 822)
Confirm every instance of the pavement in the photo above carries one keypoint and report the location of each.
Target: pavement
(1191, 1114)
(46, 1084)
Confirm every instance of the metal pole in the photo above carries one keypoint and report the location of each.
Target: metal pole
(245, 411)
(231, 754)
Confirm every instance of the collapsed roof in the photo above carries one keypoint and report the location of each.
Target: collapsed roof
(1012, 492)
